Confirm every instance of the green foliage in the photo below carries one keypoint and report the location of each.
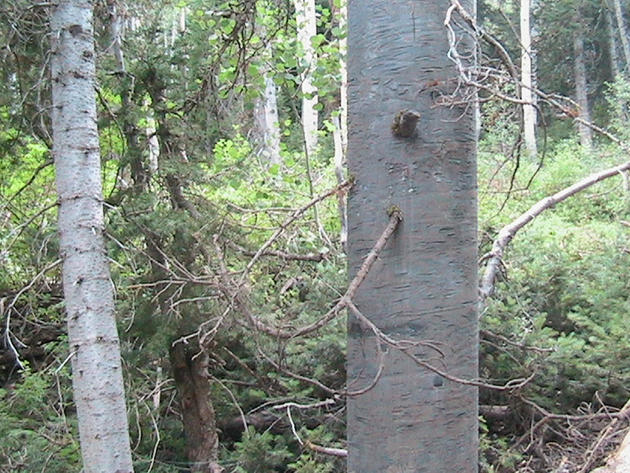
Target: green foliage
(36, 434)
(260, 453)
(567, 284)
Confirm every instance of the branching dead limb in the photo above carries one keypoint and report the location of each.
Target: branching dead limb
(619, 462)
(344, 186)
(240, 302)
(470, 76)
(507, 233)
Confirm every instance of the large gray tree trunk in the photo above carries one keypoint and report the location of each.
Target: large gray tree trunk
(424, 285)
(93, 338)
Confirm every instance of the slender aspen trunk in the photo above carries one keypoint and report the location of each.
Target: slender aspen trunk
(343, 66)
(621, 25)
(266, 111)
(339, 174)
(93, 338)
(529, 112)
(266, 114)
(581, 86)
(306, 30)
(612, 42)
(116, 31)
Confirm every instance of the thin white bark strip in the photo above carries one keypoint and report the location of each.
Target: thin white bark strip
(341, 197)
(529, 112)
(306, 31)
(508, 232)
(93, 337)
(343, 88)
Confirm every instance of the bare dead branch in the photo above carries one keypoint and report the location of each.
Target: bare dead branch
(335, 452)
(280, 254)
(511, 385)
(239, 300)
(344, 186)
(508, 232)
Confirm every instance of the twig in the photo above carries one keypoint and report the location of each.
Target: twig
(394, 219)
(237, 298)
(336, 452)
(294, 216)
(238, 406)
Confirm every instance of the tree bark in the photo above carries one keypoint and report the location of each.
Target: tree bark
(266, 112)
(190, 371)
(343, 67)
(115, 31)
(306, 30)
(612, 42)
(581, 86)
(529, 112)
(424, 284)
(93, 338)
(621, 25)
(189, 366)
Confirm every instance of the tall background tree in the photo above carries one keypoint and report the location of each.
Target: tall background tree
(527, 76)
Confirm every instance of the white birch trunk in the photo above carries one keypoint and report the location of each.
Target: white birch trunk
(529, 112)
(92, 333)
(340, 133)
(343, 90)
(339, 174)
(266, 111)
(267, 122)
(116, 32)
(306, 30)
(153, 145)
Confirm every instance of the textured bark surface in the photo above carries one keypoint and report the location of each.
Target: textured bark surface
(190, 371)
(612, 42)
(306, 30)
(621, 25)
(92, 333)
(581, 86)
(529, 112)
(424, 286)
(266, 119)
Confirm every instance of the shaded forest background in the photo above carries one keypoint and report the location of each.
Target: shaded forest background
(226, 237)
